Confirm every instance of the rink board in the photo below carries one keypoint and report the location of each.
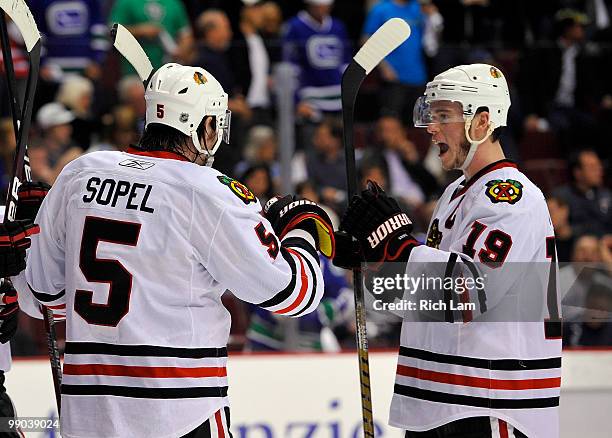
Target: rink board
(317, 396)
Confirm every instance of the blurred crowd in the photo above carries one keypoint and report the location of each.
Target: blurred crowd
(556, 55)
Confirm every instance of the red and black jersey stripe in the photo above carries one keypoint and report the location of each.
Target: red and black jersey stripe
(455, 379)
(480, 402)
(150, 372)
(160, 373)
(143, 350)
(313, 275)
(217, 426)
(490, 364)
(138, 392)
(308, 286)
(284, 294)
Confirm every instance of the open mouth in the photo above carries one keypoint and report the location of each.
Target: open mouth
(443, 148)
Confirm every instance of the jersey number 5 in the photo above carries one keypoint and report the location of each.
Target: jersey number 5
(106, 271)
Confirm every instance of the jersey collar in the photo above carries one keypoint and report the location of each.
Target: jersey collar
(464, 186)
(156, 154)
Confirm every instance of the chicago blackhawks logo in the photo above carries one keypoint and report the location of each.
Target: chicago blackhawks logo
(199, 78)
(238, 189)
(509, 191)
(434, 237)
(495, 73)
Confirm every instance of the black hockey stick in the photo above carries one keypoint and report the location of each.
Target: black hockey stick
(22, 17)
(10, 74)
(386, 39)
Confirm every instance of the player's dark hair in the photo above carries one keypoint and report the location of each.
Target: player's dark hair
(158, 137)
(497, 132)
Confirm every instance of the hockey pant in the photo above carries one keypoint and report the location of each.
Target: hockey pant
(217, 426)
(475, 427)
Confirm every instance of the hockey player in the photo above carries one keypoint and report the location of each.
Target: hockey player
(14, 241)
(140, 246)
(464, 372)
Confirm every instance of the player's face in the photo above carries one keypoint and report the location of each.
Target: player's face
(449, 136)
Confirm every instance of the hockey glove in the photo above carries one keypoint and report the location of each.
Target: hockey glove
(290, 212)
(9, 311)
(14, 240)
(348, 251)
(30, 197)
(378, 223)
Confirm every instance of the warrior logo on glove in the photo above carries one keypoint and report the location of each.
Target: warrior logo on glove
(380, 226)
(387, 227)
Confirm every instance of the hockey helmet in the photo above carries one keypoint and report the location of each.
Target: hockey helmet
(468, 88)
(181, 96)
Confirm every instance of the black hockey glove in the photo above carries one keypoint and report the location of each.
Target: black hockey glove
(9, 311)
(382, 229)
(14, 240)
(30, 197)
(290, 212)
(348, 251)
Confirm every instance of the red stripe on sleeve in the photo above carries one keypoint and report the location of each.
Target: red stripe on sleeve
(303, 289)
(478, 382)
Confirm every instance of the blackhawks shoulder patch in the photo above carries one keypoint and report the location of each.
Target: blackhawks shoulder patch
(510, 191)
(238, 189)
(434, 237)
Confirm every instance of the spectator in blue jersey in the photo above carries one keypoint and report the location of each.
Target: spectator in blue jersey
(317, 45)
(403, 71)
(75, 35)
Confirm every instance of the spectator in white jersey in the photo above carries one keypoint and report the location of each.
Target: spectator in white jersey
(471, 370)
(140, 245)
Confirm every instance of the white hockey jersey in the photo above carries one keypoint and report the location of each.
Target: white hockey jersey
(140, 247)
(469, 363)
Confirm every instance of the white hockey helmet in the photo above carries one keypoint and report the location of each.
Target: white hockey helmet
(181, 96)
(470, 87)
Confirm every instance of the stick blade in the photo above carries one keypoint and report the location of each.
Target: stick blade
(386, 39)
(131, 50)
(22, 17)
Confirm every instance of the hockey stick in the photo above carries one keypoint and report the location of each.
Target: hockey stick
(131, 50)
(386, 39)
(22, 17)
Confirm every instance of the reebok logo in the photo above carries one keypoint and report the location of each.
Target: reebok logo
(294, 204)
(392, 224)
(137, 164)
